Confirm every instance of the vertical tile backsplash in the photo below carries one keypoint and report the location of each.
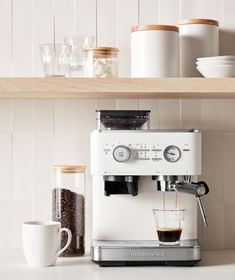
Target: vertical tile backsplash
(22, 166)
(5, 115)
(127, 10)
(61, 136)
(106, 36)
(169, 113)
(22, 117)
(43, 122)
(148, 12)
(22, 49)
(7, 42)
(34, 134)
(6, 167)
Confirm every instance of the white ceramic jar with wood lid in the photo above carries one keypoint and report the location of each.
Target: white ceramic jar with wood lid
(154, 51)
(198, 38)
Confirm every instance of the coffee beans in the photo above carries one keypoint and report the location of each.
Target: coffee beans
(123, 123)
(68, 209)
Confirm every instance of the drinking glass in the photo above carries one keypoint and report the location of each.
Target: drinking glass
(55, 59)
(78, 43)
(169, 225)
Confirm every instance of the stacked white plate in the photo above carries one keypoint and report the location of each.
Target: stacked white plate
(216, 66)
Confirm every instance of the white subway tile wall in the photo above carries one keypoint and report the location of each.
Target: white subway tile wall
(35, 134)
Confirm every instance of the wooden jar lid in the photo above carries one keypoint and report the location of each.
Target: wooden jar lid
(102, 52)
(198, 21)
(101, 49)
(69, 168)
(154, 27)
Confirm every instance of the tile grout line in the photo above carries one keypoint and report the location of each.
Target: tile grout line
(12, 15)
(32, 41)
(138, 11)
(181, 121)
(117, 12)
(96, 21)
(75, 17)
(33, 156)
(159, 12)
(12, 138)
(12, 168)
(180, 9)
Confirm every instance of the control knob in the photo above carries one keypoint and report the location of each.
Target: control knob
(121, 153)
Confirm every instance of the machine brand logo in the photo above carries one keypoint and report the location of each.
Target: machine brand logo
(146, 254)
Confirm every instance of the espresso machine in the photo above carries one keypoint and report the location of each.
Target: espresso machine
(133, 168)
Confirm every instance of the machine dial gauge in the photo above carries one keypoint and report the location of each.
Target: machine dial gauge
(172, 153)
(121, 153)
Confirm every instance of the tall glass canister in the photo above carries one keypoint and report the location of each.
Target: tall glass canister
(68, 205)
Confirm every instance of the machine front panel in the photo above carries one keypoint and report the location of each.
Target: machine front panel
(145, 153)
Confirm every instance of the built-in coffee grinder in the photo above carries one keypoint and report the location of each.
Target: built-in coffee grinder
(133, 168)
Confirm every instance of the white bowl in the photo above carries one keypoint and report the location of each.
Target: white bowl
(221, 57)
(217, 71)
(215, 62)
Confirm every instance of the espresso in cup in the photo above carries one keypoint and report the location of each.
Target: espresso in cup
(169, 225)
(168, 234)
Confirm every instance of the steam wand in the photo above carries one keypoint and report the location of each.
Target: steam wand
(204, 217)
(198, 189)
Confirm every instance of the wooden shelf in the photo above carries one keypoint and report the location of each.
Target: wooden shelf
(116, 88)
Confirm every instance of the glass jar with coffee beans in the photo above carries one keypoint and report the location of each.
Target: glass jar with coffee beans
(68, 205)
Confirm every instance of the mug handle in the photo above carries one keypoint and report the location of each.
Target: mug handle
(68, 241)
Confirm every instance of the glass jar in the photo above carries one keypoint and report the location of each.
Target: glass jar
(68, 205)
(100, 62)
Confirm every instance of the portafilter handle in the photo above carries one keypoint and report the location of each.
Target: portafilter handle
(198, 189)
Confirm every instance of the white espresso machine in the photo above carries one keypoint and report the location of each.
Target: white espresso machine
(135, 169)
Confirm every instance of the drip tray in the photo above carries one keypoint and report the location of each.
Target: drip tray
(135, 253)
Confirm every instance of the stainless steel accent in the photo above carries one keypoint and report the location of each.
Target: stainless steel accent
(149, 131)
(204, 217)
(190, 188)
(169, 182)
(134, 250)
(183, 184)
(201, 190)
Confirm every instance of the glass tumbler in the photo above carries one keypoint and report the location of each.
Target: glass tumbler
(68, 205)
(169, 225)
(78, 43)
(55, 59)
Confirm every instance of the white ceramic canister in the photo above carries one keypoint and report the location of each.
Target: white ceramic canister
(198, 38)
(155, 51)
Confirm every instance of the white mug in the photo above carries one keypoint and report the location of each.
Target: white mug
(41, 242)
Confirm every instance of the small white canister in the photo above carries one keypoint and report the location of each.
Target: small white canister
(154, 51)
(198, 38)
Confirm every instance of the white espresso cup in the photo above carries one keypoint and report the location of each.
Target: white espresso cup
(41, 242)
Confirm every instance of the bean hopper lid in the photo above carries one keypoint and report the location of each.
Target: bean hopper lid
(123, 119)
